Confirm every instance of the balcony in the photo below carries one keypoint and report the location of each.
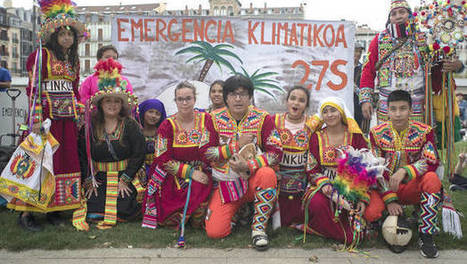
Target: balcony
(4, 38)
(4, 54)
(15, 40)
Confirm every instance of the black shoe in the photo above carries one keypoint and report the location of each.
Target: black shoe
(427, 246)
(55, 219)
(397, 249)
(459, 180)
(29, 223)
(456, 187)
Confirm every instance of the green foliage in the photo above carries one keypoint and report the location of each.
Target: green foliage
(132, 234)
(261, 83)
(204, 51)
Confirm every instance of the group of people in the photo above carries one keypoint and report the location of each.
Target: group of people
(123, 161)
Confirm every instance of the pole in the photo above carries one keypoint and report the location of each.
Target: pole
(34, 21)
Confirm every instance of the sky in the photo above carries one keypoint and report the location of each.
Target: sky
(370, 12)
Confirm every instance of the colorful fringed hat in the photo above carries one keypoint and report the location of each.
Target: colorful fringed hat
(357, 171)
(399, 3)
(60, 13)
(111, 83)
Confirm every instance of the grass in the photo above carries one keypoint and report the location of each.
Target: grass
(124, 235)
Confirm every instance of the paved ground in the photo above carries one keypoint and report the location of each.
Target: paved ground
(207, 256)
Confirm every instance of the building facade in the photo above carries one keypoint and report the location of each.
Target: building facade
(4, 39)
(17, 37)
(98, 20)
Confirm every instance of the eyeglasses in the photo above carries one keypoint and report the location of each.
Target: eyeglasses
(238, 95)
(183, 99)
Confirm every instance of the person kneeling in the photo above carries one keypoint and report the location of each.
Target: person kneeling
(242, 178)
(412, 158)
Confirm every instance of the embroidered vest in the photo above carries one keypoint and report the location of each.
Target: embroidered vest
(57, 88)
(294, 156)
(404, 69)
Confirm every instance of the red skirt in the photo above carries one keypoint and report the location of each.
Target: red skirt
(321, 220)
(170, 200)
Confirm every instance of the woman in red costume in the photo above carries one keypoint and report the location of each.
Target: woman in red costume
(178, 160)
(336, 132)
(56, 66)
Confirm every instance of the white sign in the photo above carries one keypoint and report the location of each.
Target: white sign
(159, 52)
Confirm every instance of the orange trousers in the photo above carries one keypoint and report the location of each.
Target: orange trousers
(408, 194)
(219, 216)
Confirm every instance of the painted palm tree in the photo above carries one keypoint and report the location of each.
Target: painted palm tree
(210, 54)
(262, 83)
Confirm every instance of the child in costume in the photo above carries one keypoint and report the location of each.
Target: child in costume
(295, 128)
(409, 149)
(53, 93)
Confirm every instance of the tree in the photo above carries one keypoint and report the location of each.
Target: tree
(209, 54)
(262, 83)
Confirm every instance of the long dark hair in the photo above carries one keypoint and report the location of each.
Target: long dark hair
(98, 121)
(52, 45)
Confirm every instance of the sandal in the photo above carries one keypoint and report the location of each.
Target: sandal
(260, 240)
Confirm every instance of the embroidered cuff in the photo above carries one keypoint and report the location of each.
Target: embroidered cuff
(81, 108)
(322, 180)
(184, 171)
(411, 173)
(389, 197)
(256, 163)
(125, 178)
(366, 95)
(228, 150)
(366, 199)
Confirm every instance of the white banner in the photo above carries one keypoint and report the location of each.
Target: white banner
(159, 52)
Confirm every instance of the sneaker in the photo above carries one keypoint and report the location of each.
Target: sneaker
(427, 246)
(29, 223)
(456, 187)
(260, 240)
(459, 180)
(55, 219)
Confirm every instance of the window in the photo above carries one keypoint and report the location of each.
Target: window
(4, 35)
(99, 34)
(87, 50)
(230, 11)
(87, 66)
(216, 11)
(223, 11)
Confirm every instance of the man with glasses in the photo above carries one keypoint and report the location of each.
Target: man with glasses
(241, 178)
